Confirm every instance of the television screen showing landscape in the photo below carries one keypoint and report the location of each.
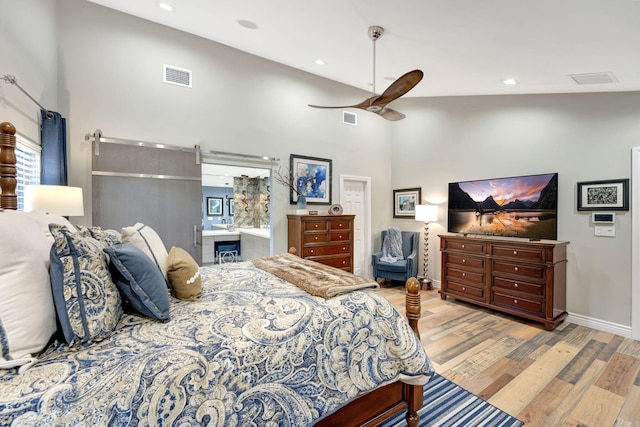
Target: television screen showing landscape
(522, 206)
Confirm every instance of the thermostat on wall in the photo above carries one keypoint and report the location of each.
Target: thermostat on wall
(603, 218)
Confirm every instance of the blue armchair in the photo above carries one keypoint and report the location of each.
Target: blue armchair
(401, 269)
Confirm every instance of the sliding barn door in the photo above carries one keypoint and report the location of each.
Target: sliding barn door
(155, 186)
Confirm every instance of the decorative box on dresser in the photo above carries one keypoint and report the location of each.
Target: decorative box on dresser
(327, 239)
(516, 276)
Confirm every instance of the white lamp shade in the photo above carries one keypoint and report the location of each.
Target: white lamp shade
(426, 213)
(54, 199)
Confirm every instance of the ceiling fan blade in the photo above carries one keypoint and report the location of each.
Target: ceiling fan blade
(364, 104)
(402, 85)
(389, 114)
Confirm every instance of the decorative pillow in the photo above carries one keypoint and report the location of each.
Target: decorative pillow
(108, 237)
(139, 280)
(184, 275)
(147, 240)
(87, 301)
(27, 313)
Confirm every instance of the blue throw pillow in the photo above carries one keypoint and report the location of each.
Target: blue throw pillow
(87, 302)
(139, 280)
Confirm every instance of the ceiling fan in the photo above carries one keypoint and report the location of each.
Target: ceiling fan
(378, 103)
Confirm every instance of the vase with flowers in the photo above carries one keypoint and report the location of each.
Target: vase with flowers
(296, 185)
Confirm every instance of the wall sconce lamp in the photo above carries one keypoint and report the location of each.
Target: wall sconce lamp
(426, 214)
(54, 199)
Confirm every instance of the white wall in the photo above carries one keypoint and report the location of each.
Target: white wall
(28, 51)
(110, 77)
(583, 137)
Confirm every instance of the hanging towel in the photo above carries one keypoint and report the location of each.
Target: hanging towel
(392, 246)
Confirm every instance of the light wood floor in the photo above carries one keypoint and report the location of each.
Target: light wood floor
(572, 376)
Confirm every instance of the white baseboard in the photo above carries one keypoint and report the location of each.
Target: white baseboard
(579, 319)
(601, 325)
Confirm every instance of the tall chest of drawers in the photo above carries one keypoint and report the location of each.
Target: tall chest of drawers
(327, 239)
(519, 277)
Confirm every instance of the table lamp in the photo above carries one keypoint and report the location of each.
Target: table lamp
(55, 199)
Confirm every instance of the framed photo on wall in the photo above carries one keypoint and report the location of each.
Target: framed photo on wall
(610, 195)
(405, 201)
(312, 178)
(214, 206)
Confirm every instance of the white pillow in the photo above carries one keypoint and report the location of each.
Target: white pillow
(44, 219)
(27, 312)
(147, 240)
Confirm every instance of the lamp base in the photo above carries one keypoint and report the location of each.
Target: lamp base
(425, 283)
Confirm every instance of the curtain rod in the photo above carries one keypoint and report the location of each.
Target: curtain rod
(12, 80)
(97, 137)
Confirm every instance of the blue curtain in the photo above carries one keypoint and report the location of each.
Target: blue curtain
(54, 149)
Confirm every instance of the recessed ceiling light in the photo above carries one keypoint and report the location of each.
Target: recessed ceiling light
(248, 24)
(319, 62)
(391, 79)
(510, 81)
(165, 6)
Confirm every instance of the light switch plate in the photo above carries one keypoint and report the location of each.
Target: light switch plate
(605, 230)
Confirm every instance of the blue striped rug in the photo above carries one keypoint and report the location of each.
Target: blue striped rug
(447, 404)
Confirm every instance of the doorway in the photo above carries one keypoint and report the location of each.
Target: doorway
(355, 198)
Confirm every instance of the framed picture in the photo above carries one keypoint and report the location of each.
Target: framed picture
(214, 206)
(312, 178)
(232, 206)
(611, 195)
(405, 201)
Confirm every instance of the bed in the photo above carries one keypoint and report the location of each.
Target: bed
(243, 347)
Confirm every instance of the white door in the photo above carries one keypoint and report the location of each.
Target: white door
(355, 198)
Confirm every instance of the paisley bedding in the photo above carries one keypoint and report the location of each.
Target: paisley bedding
(253, 351)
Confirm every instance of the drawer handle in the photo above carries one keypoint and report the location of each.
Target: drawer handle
(340, 236)
(464, 289)
(340, 225)
(464, 260)
(515, 285)
(344, 262)
(464, 274)
(515, 301)
(311, 251)
(515, 268)
(316, 225)
(316, 238)
(463, 246)
(515, 252)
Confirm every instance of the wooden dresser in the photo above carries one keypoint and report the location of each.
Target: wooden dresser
(327, 239)
(515, 276)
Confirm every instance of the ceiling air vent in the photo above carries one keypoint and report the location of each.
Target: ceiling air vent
(177, 76)
(349, 118)
(593, 78)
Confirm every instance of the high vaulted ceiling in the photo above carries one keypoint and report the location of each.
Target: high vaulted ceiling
(464, 47)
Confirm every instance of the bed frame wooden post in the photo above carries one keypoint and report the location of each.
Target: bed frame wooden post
(8, 171)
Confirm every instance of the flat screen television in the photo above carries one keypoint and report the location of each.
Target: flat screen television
(519, 206)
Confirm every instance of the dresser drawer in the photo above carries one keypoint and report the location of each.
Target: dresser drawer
(339, 225)
(534, 307)
(515, 285)
(314, 238)
(339, 236)
(518, 253)
(315, 225)
(465, 261)
(343, 263)
(464, 289)
(468, 276)
(523, 270)
(470, 247)
(311, 251)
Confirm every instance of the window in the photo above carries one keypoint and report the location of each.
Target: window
(27, 165)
